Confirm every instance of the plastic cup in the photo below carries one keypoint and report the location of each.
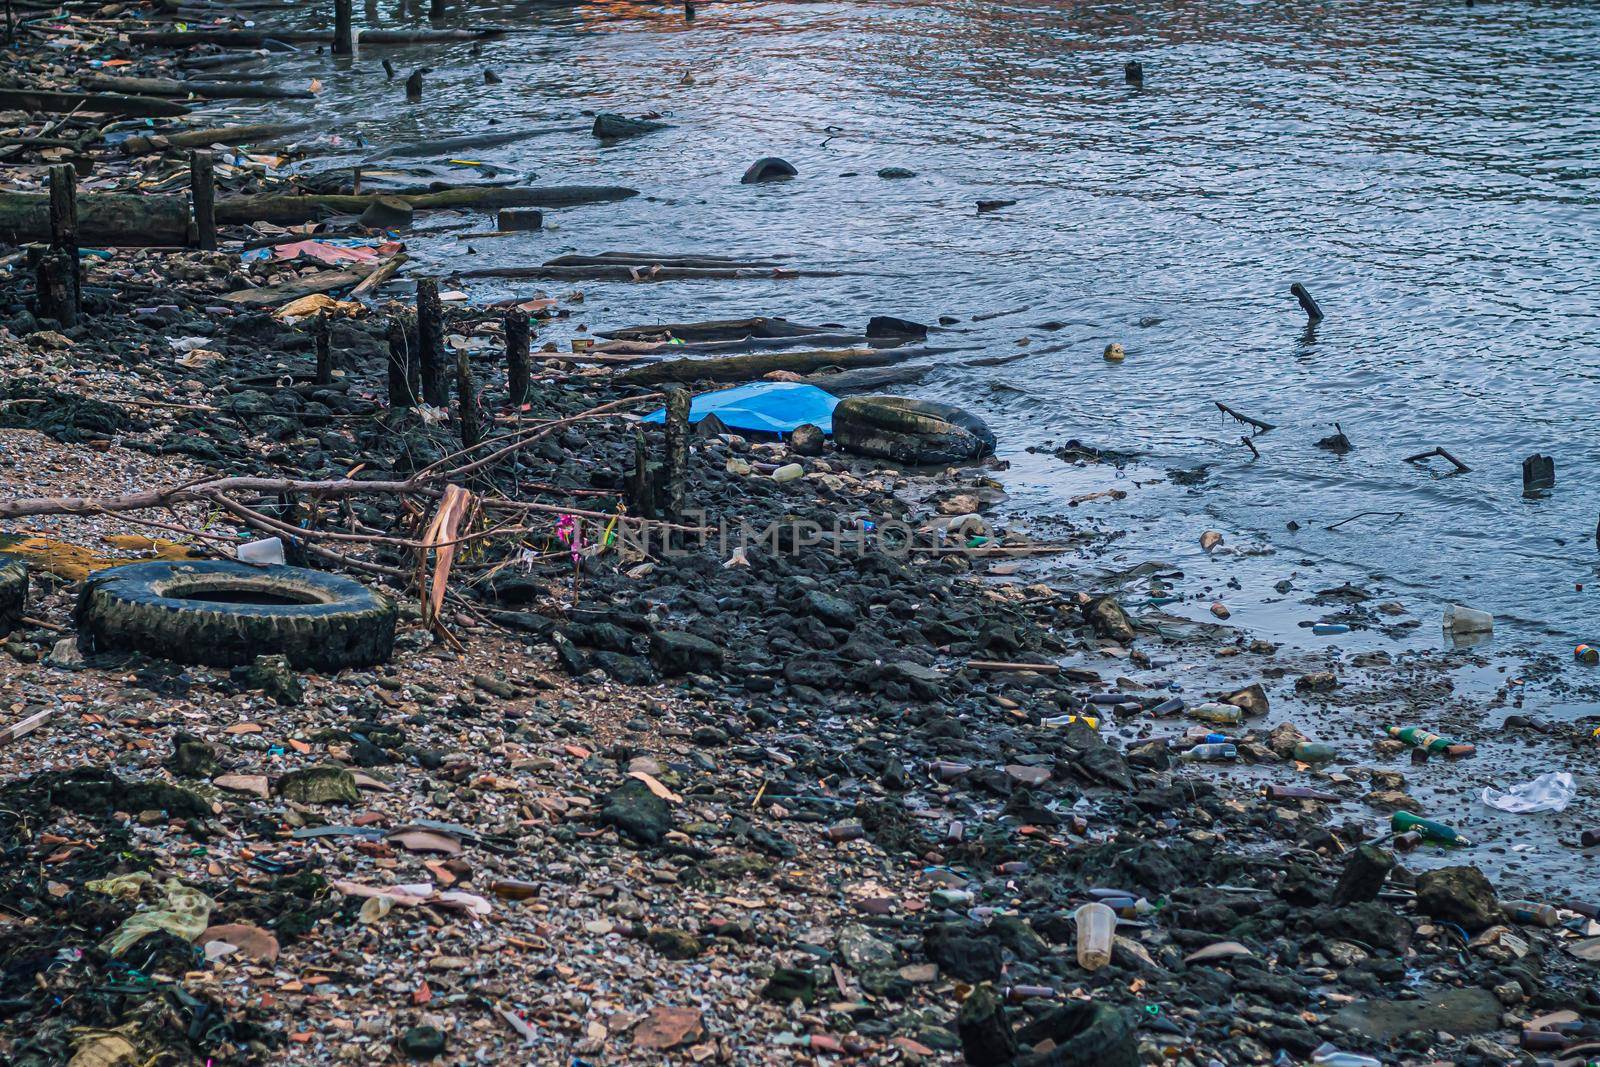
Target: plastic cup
(1097, 925)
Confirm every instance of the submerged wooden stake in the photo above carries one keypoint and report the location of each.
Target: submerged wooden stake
(343, 36)
(518, 372)
(1461, 468)
(203, 191)
(64, 223)
(677, 449)
(430, 344)
(323, 332)
(467, 399)
(1262, 427)
(403, 371)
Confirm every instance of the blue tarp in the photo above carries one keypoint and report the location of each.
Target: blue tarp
(770, 407)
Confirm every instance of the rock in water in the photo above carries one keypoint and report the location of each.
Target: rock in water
(1108, 619)
(387, 213)
(615, 127)
(892, 173)
(914, 432)
(323, 784)
(637, 813)
(1460, 895)
(769, 169)
(887, 326)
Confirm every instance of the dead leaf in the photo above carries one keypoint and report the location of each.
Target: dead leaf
(243, 783)
(103, 1050)
(253, 941)
(1220, 951)
(441, 537)
(666, 1028)
(425, 841)
(656, 787)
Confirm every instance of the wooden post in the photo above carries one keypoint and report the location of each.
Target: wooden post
(343, 36)
(403, 371)
(436, 9)
(467, 399)
(430, 345)
(203, 193)
(323, 332)
(64, 222)
(53, 285)
(518, 372)
(677, 448)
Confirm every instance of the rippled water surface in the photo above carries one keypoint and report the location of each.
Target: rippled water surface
(1431, 172)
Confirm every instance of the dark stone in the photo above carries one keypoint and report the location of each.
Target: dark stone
(1460, 895)
(274, 677)
(806, 440)
(1463, 1011)
(1108, 619)
(1371, 923)
(892, 173)
(958, 954)
(835, 611)
(324, 784)
(192, 758)
(520, 218)
(637, 813)
(422, 1042)
(676, 652)
(986, 1037)
(769, 169)
(788, 984)
(674, 944)
(387, 213)
(1363, 875)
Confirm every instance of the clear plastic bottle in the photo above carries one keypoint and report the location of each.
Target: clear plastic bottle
(1212, 753)
(1222, 714)
(1325, 1055)
(1097, 926)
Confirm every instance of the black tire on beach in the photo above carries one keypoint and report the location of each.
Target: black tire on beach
(224, 614)
(916, 432)
(13, 592)
(1085, 1035)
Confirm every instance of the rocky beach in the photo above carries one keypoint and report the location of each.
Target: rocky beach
(403, 661)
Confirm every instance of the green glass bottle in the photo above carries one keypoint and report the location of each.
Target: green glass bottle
(1403, 821)
(1417, 737)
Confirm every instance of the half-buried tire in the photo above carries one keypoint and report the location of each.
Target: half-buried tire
(13, 592)
(914, 432)
(224, 614)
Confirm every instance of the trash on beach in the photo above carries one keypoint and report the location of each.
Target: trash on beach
(332, 250)
(1551, 791)
(263, 553)
(1459, 619)
(769, 407)
(316, 303)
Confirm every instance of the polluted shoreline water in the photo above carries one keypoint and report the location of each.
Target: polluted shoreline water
(1070, 752)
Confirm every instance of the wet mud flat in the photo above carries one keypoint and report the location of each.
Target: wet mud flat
(808, 797)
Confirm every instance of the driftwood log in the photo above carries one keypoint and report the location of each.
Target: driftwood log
(138, 107)
(140, 144)
(103, 219)
(286, 209)
(749, 368)
(214, 90)
(323, 282)
(256, 38)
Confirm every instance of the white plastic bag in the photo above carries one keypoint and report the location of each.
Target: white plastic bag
(1548, 792)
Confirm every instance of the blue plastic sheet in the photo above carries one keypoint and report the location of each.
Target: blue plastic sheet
(769, 407)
